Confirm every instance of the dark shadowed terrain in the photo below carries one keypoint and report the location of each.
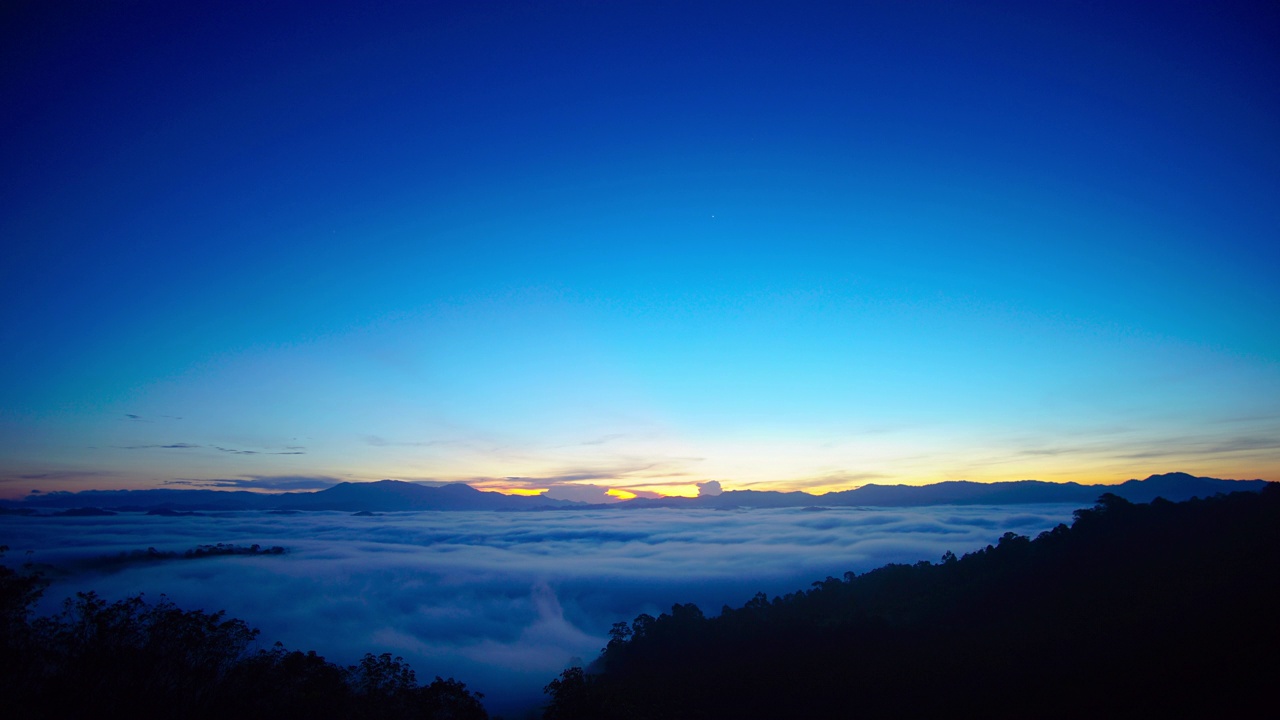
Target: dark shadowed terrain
(1161, 606)
(1161, 609)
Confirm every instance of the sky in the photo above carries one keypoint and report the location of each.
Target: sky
(627, 248)
(500, 601)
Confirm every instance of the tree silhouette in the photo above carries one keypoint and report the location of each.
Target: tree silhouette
(139, 659)
(1162, 608)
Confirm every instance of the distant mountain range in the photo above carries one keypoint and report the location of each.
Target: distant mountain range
(1175, 487)
(395, 495)
(380, 496)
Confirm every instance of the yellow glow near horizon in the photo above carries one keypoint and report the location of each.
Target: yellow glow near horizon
(681, 490)
(1085, 474)
(527, 492)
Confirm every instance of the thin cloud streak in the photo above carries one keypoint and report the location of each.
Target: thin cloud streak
(236, 451)
(378, 441)
(60, 476)
(262, 482)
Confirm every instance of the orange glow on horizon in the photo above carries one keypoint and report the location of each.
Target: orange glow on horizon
(682, 490)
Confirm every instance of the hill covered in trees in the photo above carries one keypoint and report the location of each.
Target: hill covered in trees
(133, 658)
(1134, 609)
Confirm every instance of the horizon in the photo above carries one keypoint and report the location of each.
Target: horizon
(603, 252)
(612, 499)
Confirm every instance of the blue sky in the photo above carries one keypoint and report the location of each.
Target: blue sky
(638, 246)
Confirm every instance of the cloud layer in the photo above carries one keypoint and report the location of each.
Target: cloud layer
(502, 601)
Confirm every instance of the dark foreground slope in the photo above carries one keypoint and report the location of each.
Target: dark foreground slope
(1135, 609)
(136, 659)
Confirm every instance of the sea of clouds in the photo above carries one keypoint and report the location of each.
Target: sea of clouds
(500, 600)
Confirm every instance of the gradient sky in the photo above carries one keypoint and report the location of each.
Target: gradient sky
(638, 246)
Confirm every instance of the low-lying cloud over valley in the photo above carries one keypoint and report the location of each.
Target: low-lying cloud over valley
(501, 601)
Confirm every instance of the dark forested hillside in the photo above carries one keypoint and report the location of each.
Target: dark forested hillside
(138, 659)
(1133, 609)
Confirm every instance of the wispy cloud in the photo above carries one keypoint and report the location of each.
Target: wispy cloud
(632, 471)
(378, 441)
(288, 450)
(237, 451)
(262, 482)
(571, 477)
(838, 480)
(601, 440)
(1051, 451)
(133, 417)
(1187, 447)
(59, 475)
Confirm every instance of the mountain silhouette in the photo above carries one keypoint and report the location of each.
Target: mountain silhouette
(380, 496)
(393, 495)
(1175, 487)
(398, 495)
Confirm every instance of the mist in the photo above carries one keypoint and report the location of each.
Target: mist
(501, 601)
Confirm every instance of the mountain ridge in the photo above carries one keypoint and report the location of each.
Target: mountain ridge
(398, 495)
(1163, 606)
(1175, 486)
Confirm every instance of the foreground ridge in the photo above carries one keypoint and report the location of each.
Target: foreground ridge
(1165, 606)
(140, 659)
